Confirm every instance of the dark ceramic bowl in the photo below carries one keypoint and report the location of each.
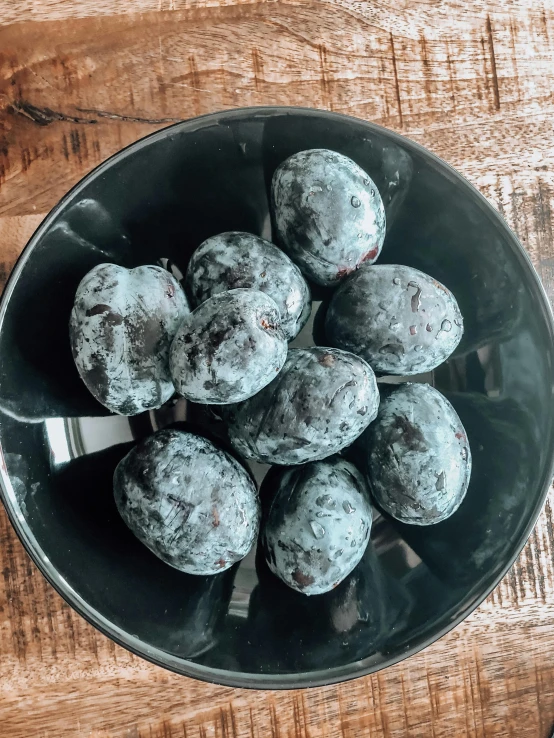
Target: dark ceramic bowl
(158, 199)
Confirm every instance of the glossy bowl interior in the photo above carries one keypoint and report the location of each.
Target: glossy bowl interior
(158, 199)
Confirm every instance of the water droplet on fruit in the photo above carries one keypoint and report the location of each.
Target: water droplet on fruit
(464, 453)
(329, 188)
(428, 328)
(360, 235)
(317, 529)
(314, 190)
(372, 193)
(353, 544)
(355, 202)
(338, 553)
(326, 501)
(366, 181)
(446, 326)
(396, 280)
(413, 330)
(347, 507)
(394, 325)
(418, 348)
(416, 297)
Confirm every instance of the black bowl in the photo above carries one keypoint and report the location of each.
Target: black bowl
(158, 199)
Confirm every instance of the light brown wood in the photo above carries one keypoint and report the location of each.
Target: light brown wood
(474, 82)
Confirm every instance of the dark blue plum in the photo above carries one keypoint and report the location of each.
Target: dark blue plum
(322, 400)
(237, 259)
(121, 328)
(398, 319)
(288, 632)
(417, 455)
(328, 214)
(317, 524)
(180, 613)
(188, 501)
(505, 447)
(228, 348)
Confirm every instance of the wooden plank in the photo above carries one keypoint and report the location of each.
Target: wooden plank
(15, 10)
(474, 83)
(67, 106)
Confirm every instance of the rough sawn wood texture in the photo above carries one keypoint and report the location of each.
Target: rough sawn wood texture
(472, 81)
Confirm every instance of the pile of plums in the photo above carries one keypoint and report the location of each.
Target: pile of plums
(136, 342)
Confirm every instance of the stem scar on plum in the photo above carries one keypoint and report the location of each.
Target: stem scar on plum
(266, 325)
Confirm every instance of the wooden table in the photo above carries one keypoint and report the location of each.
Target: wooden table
(472, 81)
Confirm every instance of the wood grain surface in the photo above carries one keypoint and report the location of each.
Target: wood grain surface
(472, 81)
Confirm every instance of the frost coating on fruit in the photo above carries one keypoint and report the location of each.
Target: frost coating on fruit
(228, 348)
(418, 456)
(237, 259)
(188, 501)
(121, 327)
(328, 214)
(505, 449)
(317, 526)
(322, 400)
(351, 622)
(398, 319)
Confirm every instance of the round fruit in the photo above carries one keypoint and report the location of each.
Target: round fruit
(188, 501)
(317, 525)
(237, 259)
(319, 404)
(465, 548)
(354, 620)
(417, 454)
(228, 348)
(328, 214)
(121, 328)
(397, 318)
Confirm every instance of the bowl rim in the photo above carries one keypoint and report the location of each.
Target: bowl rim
(157, 656)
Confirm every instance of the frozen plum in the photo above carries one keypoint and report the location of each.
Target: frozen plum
(228, 348)
(189, 502)
(237, 259)
(288, 631)
(121, 328)
(317, 524)
(322, 400)
(397, 318)
(417, 455)
(468, 546)
(328, 214)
